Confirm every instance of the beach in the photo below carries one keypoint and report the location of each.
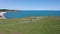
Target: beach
(2, 15)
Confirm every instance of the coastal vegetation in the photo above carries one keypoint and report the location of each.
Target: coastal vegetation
(6, 10)
(45, 25)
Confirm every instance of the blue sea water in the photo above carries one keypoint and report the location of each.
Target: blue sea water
(28, 13)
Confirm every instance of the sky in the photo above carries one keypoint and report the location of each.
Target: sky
(30, 4)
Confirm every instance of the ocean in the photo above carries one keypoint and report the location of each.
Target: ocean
(29, 13)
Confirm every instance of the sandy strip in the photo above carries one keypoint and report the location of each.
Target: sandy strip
(2, 15)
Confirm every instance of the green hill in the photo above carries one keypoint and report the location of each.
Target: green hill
(45, 25)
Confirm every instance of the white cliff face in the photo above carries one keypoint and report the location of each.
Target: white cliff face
(2, 15)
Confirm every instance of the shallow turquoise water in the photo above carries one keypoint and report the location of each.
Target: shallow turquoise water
(27, 13)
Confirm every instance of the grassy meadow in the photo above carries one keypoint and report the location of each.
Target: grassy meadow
(29, 25)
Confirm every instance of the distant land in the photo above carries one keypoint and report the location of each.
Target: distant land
(7, 10)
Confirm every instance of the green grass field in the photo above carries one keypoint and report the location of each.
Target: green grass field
(47, 25)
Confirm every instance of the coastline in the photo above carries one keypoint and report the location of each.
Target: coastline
(2, 15)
